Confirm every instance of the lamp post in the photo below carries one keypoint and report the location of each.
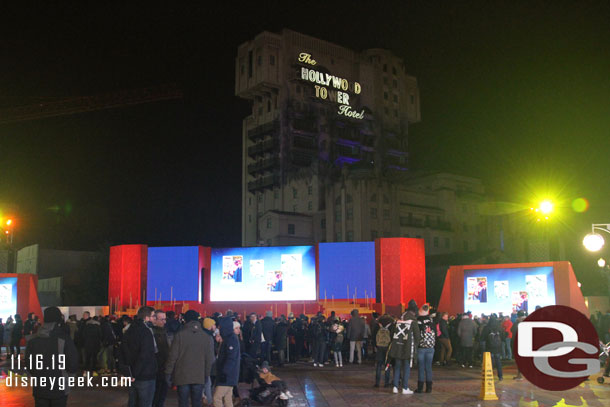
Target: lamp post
(594, 241)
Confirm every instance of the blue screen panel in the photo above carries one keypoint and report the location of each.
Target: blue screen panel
(8, 297)
(343, 264)
(285, 273)
(508, 290)
(173, 269)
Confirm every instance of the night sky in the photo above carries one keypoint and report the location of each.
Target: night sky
(518, 95)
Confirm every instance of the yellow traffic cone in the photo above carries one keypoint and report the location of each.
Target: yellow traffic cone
(488, 390)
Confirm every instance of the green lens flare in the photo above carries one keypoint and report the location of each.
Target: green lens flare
(580, 205)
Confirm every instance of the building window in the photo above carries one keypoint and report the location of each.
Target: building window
(412, 99)
(394, 70)
(385, 80)
(276, 194)
(250, 62)
(291, 229)
(395, 113)
(373, 213)
(350, 236)
(268, 223)
(338, 236)
(385, 95)
(294, 208)
(386, 214)
(259, 197)
(385, 68)
(350, 214)
(395, 83)
(386, 200)
(243, 69)
(374, 198)
(294, 192)
(386, 111)
(310, 190)
(465, 245)
(323, 223)
(249, 218)
(249, 200)
(447, 243)
(271, 59)
(338, 215)
(260, 60)
(395, 97)
(309, 206)
(418, 237)
(268, 106)
(373, 234)
(435, 241)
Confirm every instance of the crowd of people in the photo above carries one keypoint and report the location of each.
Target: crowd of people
(202, 357)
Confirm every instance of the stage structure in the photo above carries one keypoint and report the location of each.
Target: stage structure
(18, 295)
(507, 288)
(300, 279)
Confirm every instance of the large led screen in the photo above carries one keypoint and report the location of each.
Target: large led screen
(263, 274)
(347, 265)
(8, 297)
(173, 271)
(508, 290)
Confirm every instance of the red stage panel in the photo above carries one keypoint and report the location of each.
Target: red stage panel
(127, 280)
(401, 269)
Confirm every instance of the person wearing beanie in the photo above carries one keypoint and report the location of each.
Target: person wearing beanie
(190, 360)
(227, 364)
(467, 330)
(425, 350)
(268, 326)
(50, 337)
(209, 328)
(405, 337)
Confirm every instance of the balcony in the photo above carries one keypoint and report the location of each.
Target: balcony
(263, 165)
(259, 132)
(421, 223)
(264, 147)
(268, 181)
(304, 125)
(347, 151)
(302, 158)
(305, 143)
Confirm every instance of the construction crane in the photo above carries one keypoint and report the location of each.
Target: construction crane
(81, 104)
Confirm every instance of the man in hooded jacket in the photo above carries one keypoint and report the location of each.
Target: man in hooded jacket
(59, 359)
(227, 364)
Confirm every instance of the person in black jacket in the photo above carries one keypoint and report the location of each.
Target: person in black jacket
(16, 335)
(319, 337)
(59, 358)
(138, 351)
(268, 328)
(494, 344)
(92, 342)
(28, 325)
(108, 341)
(253, 332)
(161, 339)
(279, 339)
(227, 364)
(444, 340)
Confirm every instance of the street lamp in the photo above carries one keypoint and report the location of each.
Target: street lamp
(594, 241)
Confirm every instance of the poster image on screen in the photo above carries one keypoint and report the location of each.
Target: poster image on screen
(8, 297)
(284, 273)
(515, 289)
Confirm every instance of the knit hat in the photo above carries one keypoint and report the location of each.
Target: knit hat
(265, 365)
(53, 314)
(191, 315)
(269, 314)
(208, 323)
(412, 305)
(236, 324)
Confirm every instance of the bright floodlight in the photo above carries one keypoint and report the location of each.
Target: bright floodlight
(546, 207)
(593, 242)
(601, 263)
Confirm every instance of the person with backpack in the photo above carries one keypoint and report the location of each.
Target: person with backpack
(336, 338)
(425, 350)
(494, 345)
(402, 349)
(382, 339)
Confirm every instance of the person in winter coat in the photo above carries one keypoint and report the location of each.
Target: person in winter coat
(383, 338)
(425, 350)
(467, 330)
(337, 335)
(268, 328)
(355, 334)
(319, 336)
(162, 341)
(108, 341)
(209, 328)
(190, 360)
(28, 326)
(51, 341)
(494, 344)
(506, 326)
(402, 349)
(444, 340)
(92, 342)
(279, 339)
(16, 335)
(253, 333)
(227, 365)
(138, 351)
(520, 318)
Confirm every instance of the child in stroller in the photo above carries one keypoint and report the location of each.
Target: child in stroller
(270, 387)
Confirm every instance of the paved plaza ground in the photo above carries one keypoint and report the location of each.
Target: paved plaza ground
(352, 386)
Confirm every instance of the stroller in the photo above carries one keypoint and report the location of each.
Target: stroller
(264, 394)
(604, 359)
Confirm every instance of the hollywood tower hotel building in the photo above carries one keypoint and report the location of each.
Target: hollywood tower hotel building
(319, 111)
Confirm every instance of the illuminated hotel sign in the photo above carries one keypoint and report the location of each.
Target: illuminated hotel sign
(331, 87)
